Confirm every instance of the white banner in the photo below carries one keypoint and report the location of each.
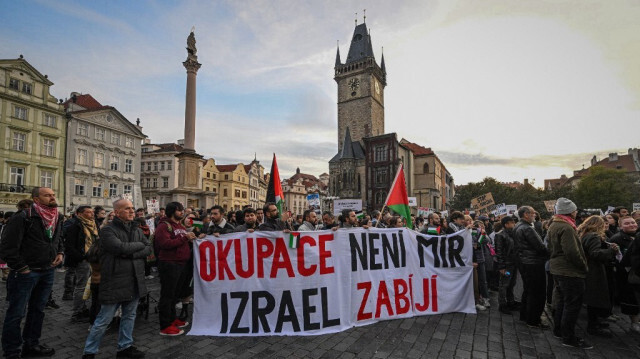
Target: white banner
(512, 209)
(311, 283)
(352, 204)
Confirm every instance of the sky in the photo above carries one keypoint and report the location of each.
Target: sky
(507, 89)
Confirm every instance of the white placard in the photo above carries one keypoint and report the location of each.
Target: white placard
(413, 202)
(352, 204)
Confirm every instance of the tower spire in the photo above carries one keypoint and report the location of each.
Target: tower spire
(365, 16)
(382, 67)
(356, 19)
(338, 62)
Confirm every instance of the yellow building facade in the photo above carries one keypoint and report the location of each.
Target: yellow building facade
(33, 132)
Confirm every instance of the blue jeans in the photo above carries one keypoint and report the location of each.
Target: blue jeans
(99, 327)
(30, 289)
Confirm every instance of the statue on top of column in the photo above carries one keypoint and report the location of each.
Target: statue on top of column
(191, 44)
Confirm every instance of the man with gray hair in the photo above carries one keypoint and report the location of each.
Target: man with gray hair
(124, 249)
(532, 255)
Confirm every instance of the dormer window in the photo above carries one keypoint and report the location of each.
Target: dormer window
(14, 84)
(357, 37)
(26, 88)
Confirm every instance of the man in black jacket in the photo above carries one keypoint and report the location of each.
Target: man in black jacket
(506, 264)
(219, 224)
(272, 220)
(78, 238)
(250, 222)
(32, 247)
(532, 255)
(124, 249)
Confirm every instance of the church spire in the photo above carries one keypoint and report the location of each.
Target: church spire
(338, 62)
(382, 67)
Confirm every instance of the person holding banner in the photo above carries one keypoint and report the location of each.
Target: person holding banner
(172, 241)
(218, 223)
(310, 220)
(272, 221)
(250, 221)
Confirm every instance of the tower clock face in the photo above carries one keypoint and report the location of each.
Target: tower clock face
(354, 84)
(377, 88)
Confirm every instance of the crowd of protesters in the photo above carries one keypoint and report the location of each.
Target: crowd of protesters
(563, 263)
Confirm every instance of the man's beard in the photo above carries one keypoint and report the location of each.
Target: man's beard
(52, 204)
(177, 218)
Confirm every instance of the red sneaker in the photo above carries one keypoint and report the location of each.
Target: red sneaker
(171, 331)
(180, 323)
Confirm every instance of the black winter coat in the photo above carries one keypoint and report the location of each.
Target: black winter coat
(74, 243)
(124, 251)
(529, 246)
(25, 244)
(271, 225)
(505, 249)
(213, 228)
(596, 292)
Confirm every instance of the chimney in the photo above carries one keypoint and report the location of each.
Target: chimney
(613, 157)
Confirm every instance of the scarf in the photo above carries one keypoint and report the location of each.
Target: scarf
(568, 219)
(90, 232)
(49, 216)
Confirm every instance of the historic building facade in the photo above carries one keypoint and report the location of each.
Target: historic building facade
(103, 153)
(32, 128)
(368, 158)
(159, 171)
(232, 186)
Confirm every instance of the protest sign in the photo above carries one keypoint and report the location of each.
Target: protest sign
(352, 204)
(609, 209)
(636, 206)
(413, 201)
(482, 204)
(444, 214)
(311, 283)
(550, 205)
(313, 199)
(153, 206)
(512, 209)
(425, 211)
(152, 225)
(500, 209)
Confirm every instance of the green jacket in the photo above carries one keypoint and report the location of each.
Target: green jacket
(567, 255)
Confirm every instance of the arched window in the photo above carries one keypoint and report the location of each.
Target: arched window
(425, 169)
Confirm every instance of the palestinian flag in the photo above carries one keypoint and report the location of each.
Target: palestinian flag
(274, 190)
(397, 200)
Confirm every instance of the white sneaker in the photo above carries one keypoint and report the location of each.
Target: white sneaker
(635, 327)
(480, 307)
(486, 302)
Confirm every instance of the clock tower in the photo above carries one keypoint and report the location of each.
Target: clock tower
(361, 82)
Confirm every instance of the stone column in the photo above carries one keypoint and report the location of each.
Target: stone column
(192, 67)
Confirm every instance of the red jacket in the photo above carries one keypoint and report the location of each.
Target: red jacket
(171, 242)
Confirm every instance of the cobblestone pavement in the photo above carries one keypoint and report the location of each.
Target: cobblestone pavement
(489, 334)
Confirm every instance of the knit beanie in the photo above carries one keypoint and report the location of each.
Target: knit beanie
(565, 206)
